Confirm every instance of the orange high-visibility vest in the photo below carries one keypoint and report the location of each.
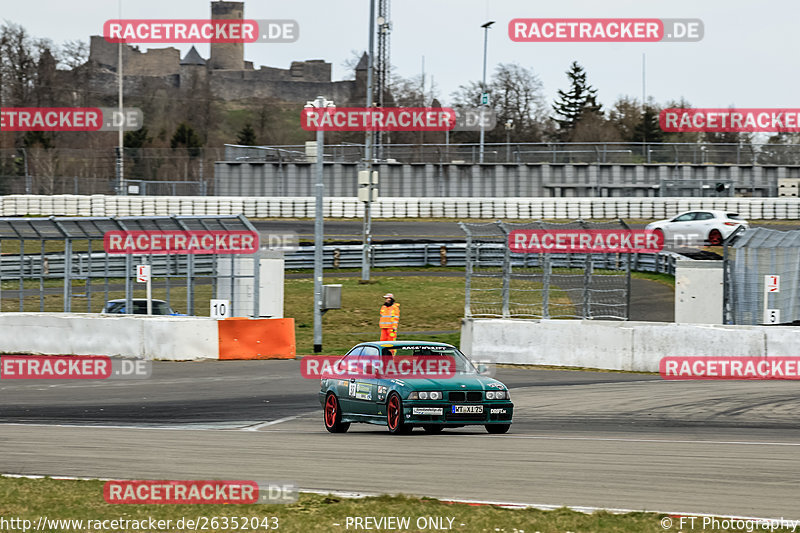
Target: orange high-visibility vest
(390, 316)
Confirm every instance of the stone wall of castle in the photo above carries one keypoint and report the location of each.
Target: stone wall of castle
(155, 62)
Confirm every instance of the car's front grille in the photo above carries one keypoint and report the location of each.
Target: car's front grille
(465, 416)
(462, 396)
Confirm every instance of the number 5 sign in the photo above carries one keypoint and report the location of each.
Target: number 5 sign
(220, 308)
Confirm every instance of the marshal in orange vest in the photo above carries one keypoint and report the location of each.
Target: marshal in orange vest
(390, 318)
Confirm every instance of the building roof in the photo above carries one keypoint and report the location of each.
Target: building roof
(193, 58)
(363, 63)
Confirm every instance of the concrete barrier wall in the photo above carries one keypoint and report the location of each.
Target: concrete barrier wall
(388, 207)
(512, 180)
(636, 346)
(163, 338)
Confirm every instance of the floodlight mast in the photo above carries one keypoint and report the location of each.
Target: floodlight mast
(321, 103)
(484, 94)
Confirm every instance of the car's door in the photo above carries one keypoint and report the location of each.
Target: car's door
(363, 391)
(680, 225)
(703, 223)
(342, 385)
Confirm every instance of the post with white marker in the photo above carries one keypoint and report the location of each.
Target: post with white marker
(772, 285)
(143, 276)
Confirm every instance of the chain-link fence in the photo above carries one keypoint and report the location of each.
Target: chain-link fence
(502, 283)
(59, 264)
(150, 171)
(762, 277)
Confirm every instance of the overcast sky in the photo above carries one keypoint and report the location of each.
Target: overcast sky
(748, 58)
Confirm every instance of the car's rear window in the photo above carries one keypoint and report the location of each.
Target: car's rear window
(734, 216)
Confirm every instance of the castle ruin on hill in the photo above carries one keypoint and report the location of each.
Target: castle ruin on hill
(225, 75)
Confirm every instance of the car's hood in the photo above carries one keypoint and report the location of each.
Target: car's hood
(458, 382)
(657, 223)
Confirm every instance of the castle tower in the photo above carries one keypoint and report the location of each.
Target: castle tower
(227, 56)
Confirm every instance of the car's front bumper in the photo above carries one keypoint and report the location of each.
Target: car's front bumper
(443, 413)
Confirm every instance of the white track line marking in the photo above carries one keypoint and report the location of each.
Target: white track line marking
(619, 439)
(256, 427)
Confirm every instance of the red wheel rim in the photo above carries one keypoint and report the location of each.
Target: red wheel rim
(393, 412)
(330, 411)
(715, 237)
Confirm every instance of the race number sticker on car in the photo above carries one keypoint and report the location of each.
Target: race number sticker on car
(363, 391)
(468, 409)
(351, 389)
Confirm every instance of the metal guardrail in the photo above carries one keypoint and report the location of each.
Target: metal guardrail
(536, 152)
(334, 256)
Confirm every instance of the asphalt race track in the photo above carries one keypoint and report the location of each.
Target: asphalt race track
(614, 440)
(409, 229)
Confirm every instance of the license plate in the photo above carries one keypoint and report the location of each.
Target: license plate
(468, 409)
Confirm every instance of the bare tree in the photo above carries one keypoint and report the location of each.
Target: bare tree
(515, 95)
(73, 54)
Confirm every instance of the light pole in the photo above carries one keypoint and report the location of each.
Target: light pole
(367, 237)
(319, 188)
(484, 94)
(509, 127)
(120, 137)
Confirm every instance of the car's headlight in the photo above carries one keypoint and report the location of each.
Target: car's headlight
(425, 395)
(497, 395)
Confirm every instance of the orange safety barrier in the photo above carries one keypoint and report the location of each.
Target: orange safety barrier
(257, 338)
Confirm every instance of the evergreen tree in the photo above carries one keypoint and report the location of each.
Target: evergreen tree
(134, 141)
(186, 136)
(572, 105)
(648, 129)
(246, 136)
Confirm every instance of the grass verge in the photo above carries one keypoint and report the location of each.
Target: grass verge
(30, 499)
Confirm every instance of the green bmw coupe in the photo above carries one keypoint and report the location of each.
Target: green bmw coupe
(452, 393)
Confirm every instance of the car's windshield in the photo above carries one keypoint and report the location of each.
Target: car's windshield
(463, 365)
(140, 307)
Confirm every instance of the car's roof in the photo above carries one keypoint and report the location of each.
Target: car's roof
(122, 300)
(716, 211)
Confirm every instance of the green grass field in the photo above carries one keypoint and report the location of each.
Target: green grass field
(31, 499)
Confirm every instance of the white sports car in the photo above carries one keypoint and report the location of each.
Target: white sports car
(698, 227)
